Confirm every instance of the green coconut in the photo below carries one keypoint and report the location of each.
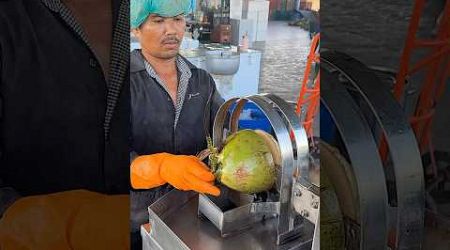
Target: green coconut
(248, 161)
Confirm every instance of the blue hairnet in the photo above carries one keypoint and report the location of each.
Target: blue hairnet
(141, 9)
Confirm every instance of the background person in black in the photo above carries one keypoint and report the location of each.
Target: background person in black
(64, 122)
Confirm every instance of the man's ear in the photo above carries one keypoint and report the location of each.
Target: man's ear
(136, 32)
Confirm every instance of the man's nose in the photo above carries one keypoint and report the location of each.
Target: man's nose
(171, 27)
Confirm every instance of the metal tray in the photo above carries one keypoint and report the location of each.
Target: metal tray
(175, 224)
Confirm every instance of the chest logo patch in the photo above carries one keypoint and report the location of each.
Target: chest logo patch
(190, 96)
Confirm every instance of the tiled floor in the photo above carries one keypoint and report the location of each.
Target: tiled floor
(284, 56)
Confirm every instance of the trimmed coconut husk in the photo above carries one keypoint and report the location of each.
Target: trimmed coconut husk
(270, 142)
(273, 146)
(246, 163)
(242, 167)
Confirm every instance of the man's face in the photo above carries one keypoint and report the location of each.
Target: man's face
(161, 36)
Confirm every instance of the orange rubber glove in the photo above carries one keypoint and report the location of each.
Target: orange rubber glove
(181, 171)
(76, 219)
(144, 171)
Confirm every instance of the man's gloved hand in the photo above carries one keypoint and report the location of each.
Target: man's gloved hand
(181, 171)
(76, 219)
(188, 173)
(144, 171)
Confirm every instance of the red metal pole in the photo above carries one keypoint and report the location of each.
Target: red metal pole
(406, 55)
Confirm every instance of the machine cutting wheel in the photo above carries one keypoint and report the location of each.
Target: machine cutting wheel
(380, 197)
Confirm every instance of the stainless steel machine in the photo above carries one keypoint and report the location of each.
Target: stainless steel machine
(379, 195)
(286, 217)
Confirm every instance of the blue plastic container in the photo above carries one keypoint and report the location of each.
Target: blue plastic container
(253, 118)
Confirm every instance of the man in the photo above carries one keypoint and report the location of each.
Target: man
(171, 101)
(64, 121)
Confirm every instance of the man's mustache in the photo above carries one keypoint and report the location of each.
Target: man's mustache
(171, 39)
